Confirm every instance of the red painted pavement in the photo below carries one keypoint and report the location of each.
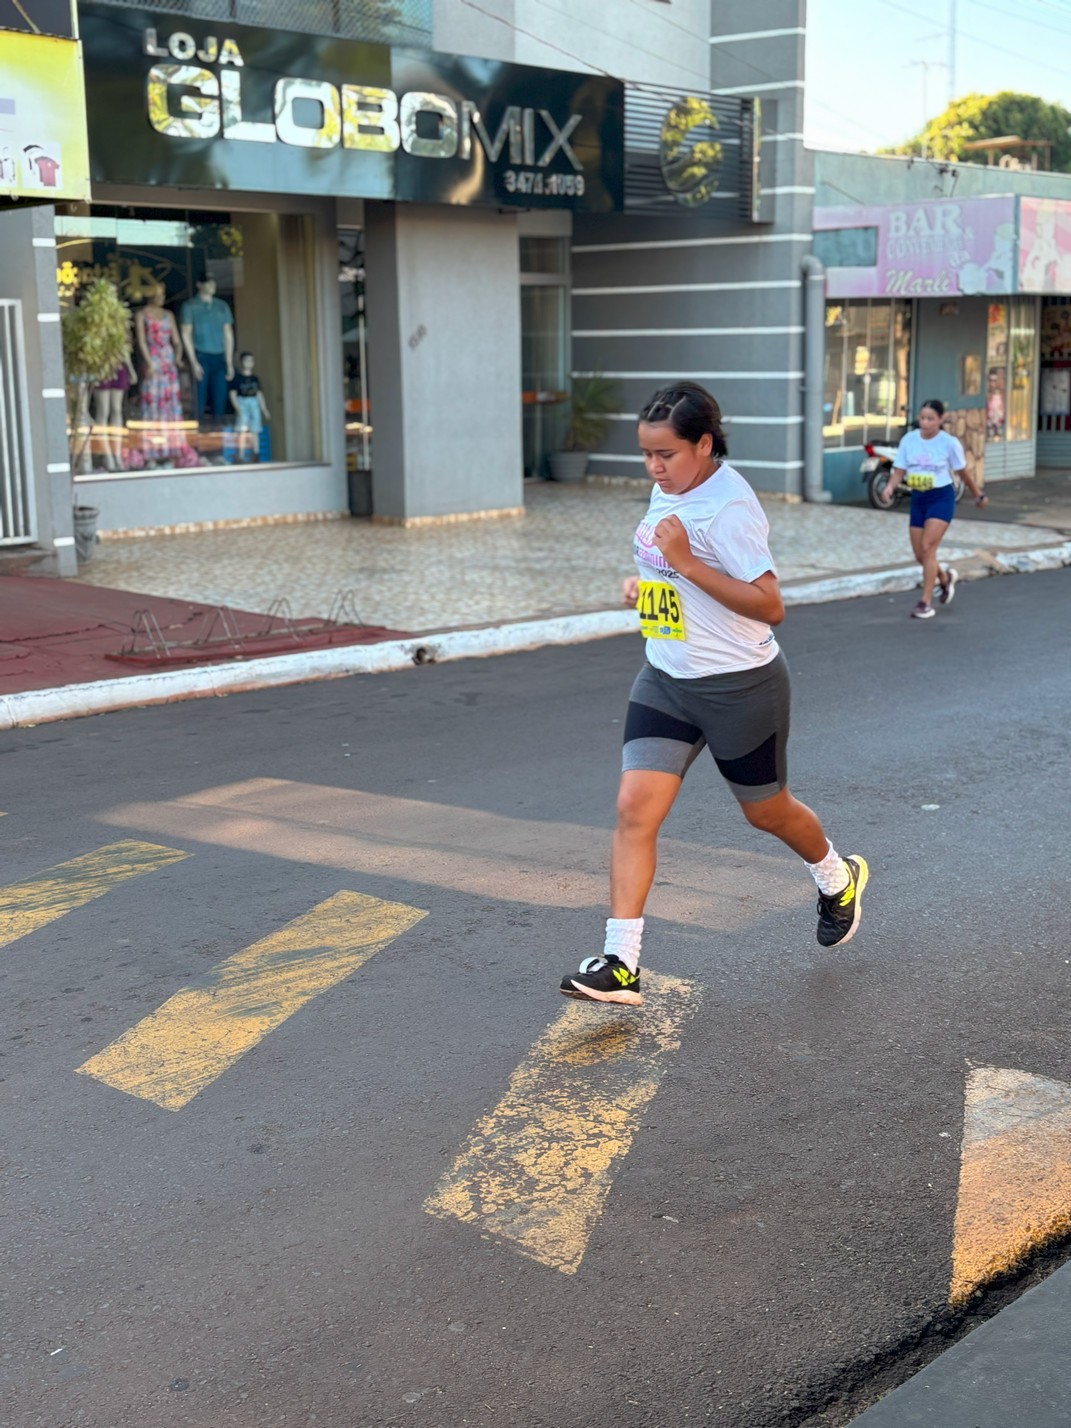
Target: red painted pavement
(55, 632)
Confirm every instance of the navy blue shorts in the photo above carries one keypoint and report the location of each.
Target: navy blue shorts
(938, 505)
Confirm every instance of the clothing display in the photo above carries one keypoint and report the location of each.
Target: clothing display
(208, 322)
(246, 390)
(120, 382)
(161, 394)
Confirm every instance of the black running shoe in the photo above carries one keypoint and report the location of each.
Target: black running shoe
(838, 915)
(604, 979)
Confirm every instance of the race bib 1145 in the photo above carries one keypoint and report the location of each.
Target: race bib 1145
(661, 616)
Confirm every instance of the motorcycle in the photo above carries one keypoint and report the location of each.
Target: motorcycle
(875, 472)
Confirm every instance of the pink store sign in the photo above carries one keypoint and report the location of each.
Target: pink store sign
(942, 248)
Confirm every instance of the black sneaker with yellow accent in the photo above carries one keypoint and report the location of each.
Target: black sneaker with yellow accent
(604, 979)
(838, 914)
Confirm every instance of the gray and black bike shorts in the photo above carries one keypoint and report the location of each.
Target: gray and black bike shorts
(742, 717)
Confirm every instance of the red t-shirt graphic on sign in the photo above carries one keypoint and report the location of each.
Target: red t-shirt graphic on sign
(47, 169)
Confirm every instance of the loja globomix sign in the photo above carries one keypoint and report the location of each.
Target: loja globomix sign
(199, 104)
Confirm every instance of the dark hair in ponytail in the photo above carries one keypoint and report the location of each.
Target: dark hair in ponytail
(692, 413)
(935, 406)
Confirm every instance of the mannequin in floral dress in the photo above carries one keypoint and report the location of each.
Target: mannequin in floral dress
(161, 396)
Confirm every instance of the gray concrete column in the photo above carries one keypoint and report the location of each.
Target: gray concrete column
(444, 347)
(28, 272)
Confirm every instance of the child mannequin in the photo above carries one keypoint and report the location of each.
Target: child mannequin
(247, 399)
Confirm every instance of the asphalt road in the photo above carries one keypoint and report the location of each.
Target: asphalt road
(280, 1249)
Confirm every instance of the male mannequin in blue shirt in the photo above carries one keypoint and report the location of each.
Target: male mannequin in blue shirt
(208, 336)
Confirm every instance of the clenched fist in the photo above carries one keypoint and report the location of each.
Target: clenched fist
(671, 538)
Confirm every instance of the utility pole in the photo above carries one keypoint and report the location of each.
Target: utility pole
(951, 50)
(926, 66)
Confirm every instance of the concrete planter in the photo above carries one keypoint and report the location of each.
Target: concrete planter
(360, 493)
(85, 532)
(568, 465)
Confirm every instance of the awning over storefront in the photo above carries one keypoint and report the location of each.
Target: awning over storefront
(1002, 245)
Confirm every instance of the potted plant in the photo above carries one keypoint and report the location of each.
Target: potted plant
(96, 341)
(591, 404)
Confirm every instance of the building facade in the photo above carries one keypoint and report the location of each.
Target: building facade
(368, 248)
(950, 282)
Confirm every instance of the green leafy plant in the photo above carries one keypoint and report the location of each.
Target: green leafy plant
(591, 405)
(992, 116)
(96, 342)
(96, 334)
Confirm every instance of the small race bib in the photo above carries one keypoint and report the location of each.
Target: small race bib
(661, 616)
(919, 481)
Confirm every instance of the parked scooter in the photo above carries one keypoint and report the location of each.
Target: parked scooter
(877, 468)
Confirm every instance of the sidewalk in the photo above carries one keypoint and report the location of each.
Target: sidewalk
(1012, 1372)
(568, 554)
(472, 588)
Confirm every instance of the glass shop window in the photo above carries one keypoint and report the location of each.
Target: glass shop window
(868, 348)
(221, 366)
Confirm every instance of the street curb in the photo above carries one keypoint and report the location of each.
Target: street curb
(71, 701)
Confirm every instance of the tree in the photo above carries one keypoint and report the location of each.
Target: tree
(993, 116)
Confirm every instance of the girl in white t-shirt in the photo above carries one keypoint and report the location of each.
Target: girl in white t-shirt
(707, 593)
(927, 458)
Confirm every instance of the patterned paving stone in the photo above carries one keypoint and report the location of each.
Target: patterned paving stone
(568, 553)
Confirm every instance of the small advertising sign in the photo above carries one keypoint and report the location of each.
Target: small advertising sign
(43, 149)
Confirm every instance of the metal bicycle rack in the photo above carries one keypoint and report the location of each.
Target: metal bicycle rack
(223, 637)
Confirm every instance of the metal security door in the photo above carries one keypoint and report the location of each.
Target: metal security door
(17, 516)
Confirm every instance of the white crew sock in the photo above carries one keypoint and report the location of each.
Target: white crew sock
(623, 936)
(831, 874)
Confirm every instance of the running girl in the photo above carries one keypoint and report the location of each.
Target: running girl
(707, 594)
(929, 457)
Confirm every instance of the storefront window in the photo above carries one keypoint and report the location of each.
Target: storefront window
(1023, 341)
(996, 366)
(222, 368)
(1055, 414)
(351, 280)
(866, 370)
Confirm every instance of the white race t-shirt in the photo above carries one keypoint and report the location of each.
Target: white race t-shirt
(929, 464)
(727, 530)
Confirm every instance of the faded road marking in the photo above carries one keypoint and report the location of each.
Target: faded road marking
(34, 902)
(536, 1171)
(1015, 1174)
(199, 1032)
(468, 850)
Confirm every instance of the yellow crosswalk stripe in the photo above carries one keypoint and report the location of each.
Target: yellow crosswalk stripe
(1015, 1174)
(202, 1030)
(537, 1169)
(34, 902)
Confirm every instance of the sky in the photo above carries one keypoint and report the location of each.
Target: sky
(865, 84)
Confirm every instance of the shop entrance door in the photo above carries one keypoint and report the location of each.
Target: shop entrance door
(544, 347)
(355, 399)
